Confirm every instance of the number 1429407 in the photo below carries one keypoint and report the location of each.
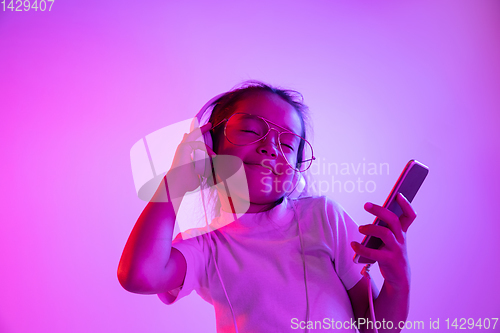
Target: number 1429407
(26, 5)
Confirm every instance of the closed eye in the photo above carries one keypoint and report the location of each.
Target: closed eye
(248, 131)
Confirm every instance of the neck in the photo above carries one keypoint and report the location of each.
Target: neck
(238, 205)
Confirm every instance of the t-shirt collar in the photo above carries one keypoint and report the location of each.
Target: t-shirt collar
(279, 215)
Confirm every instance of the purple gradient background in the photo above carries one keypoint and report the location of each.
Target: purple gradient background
(386, 81)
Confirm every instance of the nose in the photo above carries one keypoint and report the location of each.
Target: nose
(269, 144)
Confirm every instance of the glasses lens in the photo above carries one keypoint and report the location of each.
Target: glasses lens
(297, 151)
(243, 129)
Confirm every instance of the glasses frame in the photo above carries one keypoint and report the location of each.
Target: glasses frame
(265, 135)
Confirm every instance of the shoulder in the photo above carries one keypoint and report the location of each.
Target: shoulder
(192, 240)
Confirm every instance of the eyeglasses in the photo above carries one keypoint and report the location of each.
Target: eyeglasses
(243, 129)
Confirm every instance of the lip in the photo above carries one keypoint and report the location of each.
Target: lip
(262, 166)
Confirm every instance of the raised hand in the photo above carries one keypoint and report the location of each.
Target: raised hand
(182, 176)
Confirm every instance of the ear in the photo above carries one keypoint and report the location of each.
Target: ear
(299, 185)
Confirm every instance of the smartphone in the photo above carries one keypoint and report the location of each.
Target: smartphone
(408, 184)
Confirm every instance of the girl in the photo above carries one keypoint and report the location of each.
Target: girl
(283, 264)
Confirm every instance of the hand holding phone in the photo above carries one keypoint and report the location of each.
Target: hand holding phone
(408, 184)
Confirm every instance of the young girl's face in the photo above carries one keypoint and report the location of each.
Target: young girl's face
(268, 174)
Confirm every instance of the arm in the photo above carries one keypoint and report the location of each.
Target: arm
(149, 264)
(392, 304)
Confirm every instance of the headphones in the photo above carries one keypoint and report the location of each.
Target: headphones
(202, 160)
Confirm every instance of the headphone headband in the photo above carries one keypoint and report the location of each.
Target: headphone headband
(203, 116)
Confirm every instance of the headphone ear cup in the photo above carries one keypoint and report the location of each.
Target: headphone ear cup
(299, 187)
(201, 159)
(202, 166)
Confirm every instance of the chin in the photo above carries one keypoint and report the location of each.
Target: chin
(265, 187)
(262, 195)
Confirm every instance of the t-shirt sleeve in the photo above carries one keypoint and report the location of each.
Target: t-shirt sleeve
(196, 278)
(345, 230)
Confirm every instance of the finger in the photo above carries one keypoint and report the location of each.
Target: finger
(196, 132)
(388, 217)
(198, 145)
(367, 252)
(409, 214)
(183, 154)
(386, 235)
(205, 128)
(210, 151)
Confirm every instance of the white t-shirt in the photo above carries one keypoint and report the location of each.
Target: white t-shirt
(260, 263)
